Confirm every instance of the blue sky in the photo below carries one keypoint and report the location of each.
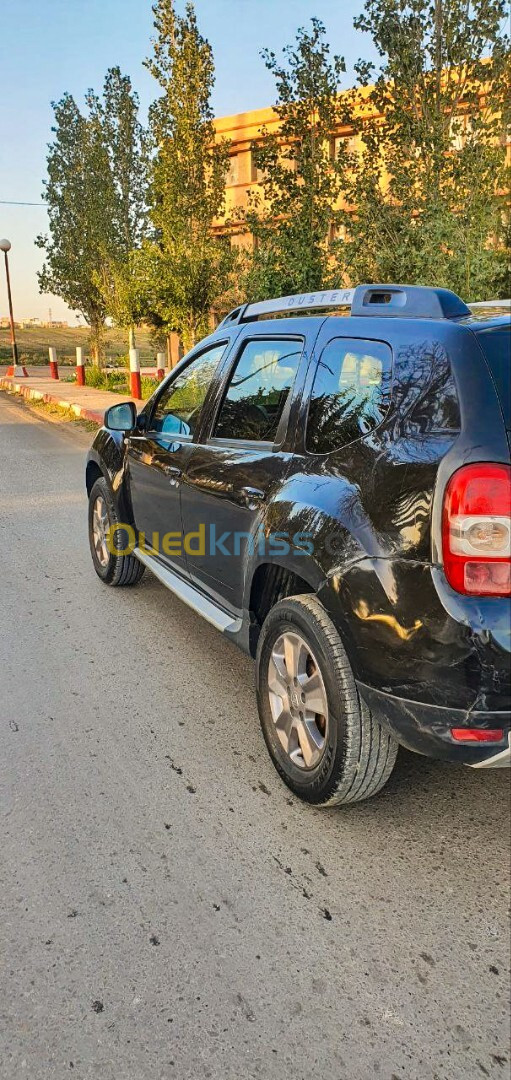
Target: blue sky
(49, 46)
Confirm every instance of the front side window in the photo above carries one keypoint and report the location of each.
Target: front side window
(350, 393)
(178, 408)
(258, 390)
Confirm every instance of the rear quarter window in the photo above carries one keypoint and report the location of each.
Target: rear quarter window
(496, 346)
(425, 398)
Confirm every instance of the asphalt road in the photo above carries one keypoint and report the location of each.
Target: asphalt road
(168, 910)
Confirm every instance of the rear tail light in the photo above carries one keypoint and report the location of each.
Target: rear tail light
(476, 530)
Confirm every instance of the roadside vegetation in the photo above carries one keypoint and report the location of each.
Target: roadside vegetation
(117, 381)
(415, 188)
(33, 344)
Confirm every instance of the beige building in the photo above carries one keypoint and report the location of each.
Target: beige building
(242, 130)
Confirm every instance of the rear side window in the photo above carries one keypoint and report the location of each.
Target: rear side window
(258, 390)
(350, 393)
(496, 345)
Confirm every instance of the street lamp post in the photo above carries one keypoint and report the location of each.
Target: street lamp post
(16, 370)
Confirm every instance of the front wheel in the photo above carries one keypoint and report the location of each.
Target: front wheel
(111, 568)
(323, 740)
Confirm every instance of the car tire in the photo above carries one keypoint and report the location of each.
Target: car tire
(112, 569)
(333, 757)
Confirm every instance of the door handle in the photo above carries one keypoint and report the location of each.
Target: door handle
(173, 473)
(252, 497)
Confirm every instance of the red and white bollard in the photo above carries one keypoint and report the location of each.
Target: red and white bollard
(17, 371)
(80, 366)
(135, 383)
(160, 366)
(54, 368)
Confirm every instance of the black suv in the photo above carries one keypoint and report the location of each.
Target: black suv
(333, 493)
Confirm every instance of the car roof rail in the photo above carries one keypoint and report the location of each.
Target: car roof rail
(398, 301)
(504, 304)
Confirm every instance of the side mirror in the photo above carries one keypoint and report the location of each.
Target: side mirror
(122, 417)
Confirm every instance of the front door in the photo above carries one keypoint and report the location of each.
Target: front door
(231, 476)
(158, 457)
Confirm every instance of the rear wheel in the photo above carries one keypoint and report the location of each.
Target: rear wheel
(323, 740)
(112, 569)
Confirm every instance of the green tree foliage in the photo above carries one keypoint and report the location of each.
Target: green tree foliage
(127, 150)
(428, 185)
(188, 269)
(80, 215)
(294, 218)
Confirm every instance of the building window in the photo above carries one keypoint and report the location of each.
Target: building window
(256, 175)
(341, 143)
(336, 232)
(233, 175)
(462, 130)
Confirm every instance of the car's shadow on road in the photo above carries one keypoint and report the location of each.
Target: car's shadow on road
(422, 798)
(427, 797)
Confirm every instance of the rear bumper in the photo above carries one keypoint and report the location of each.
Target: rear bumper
(501, 760)
(426, 729)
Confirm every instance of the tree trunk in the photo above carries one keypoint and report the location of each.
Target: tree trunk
(95, 345)
(94, 353)
(132, 342)
(174, 350)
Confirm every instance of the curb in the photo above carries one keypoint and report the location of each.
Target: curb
(35, 395)
(81, 412)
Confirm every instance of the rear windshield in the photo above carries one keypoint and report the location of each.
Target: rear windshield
(496, 345)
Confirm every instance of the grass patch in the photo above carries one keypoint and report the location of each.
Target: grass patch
(33, 344)
(118, 382)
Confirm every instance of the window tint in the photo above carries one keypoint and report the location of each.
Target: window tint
(258, 390)
(497, 350)
(426, 396)
(178, 408)
(350, 393)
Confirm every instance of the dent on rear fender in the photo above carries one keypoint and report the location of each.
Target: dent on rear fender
(402, 639)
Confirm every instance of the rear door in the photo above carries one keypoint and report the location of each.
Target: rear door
(345, 453)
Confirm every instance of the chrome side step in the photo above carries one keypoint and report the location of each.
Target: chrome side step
(189, 594)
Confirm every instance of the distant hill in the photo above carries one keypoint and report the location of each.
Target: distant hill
(33, 344)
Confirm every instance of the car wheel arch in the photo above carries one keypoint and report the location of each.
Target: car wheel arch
(93, 472)
(271, 582)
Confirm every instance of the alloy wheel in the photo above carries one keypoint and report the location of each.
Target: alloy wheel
(100, 527)
(298, 700)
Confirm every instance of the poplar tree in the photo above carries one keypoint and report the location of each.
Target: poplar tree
(429, 187)
(127, 149)
(189, 268)
(295, 216)
(78, 194)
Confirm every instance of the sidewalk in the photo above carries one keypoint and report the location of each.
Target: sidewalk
(84, 401)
